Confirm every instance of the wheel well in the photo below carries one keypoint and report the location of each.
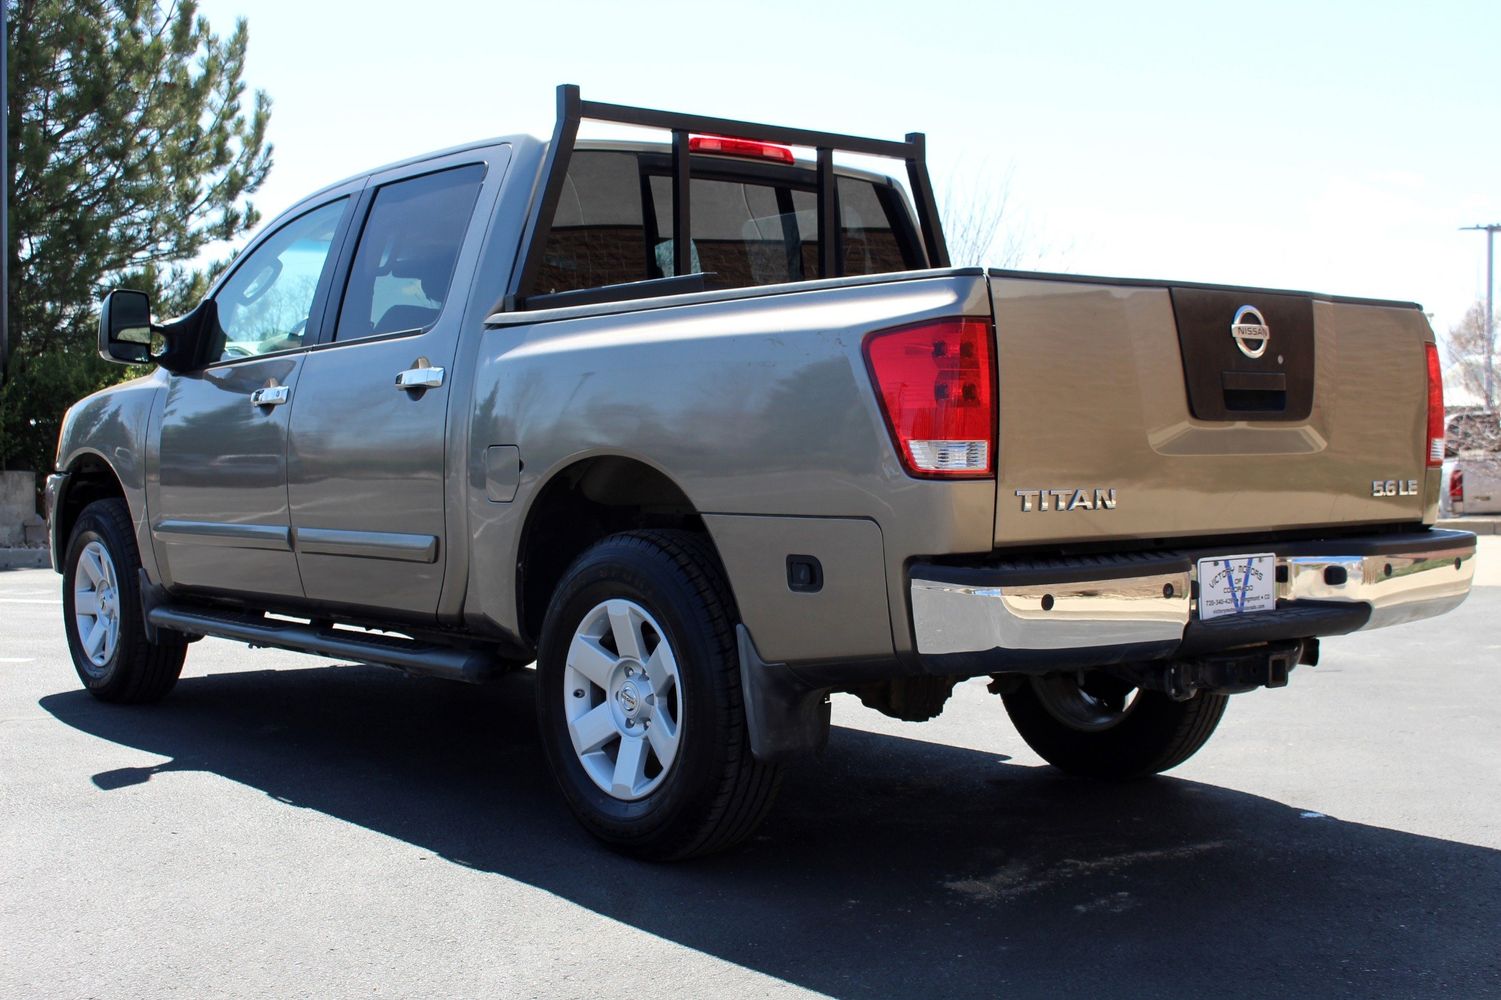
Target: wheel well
(89, 478)
(583, 504)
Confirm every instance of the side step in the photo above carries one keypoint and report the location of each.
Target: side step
(411, 655)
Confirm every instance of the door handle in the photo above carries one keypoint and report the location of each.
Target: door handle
(422, 377)
(271, 395)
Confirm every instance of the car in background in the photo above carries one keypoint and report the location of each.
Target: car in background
(1472, 466)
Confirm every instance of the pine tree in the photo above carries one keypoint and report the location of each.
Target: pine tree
(131, 150)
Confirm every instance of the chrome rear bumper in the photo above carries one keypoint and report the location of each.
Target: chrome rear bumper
(1111, 609)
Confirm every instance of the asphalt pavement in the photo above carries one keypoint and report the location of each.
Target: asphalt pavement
(283, 826)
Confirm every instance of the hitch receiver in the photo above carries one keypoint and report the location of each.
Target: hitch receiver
(1233, 672)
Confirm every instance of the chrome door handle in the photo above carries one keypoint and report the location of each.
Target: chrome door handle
(419, 378)
(271, 395)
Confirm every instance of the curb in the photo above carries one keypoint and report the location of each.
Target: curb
(25, 559)
(1480, 525)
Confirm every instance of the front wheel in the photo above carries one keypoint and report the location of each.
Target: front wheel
(1093, 724)
(639, 703)
(103, 616)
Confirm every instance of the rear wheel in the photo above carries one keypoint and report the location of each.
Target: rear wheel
(1093, 724)
(103, 616)
(639, 703)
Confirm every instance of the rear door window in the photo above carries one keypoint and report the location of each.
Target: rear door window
(403, 268)
(614, 224)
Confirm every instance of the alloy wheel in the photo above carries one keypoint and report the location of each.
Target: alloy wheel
(96, 605)
(623, 699)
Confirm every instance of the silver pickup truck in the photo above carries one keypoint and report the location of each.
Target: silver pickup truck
(708, 432)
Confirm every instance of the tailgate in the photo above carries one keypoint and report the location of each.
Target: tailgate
(1133, 410)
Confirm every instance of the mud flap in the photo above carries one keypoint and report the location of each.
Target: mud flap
(786, 717)
(152, 596)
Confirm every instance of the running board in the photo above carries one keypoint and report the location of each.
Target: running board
(411, 655)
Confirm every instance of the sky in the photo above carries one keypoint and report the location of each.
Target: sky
(1332, 147)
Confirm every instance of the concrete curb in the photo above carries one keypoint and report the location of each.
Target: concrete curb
(1480, 524)
(25, 559)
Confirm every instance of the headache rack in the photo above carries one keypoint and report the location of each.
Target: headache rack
(572, 110)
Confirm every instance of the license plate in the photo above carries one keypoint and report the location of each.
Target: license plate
(1234, 585)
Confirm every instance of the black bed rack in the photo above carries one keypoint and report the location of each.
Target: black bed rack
(572, 110)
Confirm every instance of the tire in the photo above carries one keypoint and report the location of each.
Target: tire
(650, 749)
(108, 639)
(1107, 733)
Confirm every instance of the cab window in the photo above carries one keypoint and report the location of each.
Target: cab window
(264, 305)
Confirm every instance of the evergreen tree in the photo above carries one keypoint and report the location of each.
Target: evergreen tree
(131, 150)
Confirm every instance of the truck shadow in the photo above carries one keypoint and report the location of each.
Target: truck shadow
(894, 867)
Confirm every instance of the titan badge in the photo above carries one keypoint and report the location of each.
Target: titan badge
(1073, 499)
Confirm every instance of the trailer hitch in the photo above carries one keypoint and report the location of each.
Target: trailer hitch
(1230, 672)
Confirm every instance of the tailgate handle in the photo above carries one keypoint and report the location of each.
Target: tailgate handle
(1260, 392)
(1254, 381)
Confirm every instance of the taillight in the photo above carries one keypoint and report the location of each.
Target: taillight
(936, 385)
(1435, 409)
(1457, 485)
(723, 145)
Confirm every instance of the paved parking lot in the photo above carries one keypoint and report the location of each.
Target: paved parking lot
(285, 826)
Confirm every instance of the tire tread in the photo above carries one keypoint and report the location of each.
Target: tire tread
(146, 671)
(748, 786)
(736, 796)
(1158, 736)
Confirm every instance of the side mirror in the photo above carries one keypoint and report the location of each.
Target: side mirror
(125, 327)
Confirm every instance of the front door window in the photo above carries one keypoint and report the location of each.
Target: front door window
(265, 305)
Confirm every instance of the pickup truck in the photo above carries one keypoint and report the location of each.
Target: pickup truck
(709, 431)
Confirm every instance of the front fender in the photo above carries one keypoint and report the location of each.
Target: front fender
(108, 433)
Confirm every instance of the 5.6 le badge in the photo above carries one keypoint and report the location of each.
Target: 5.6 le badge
(1394, 487)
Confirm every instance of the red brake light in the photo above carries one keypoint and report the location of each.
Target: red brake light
(1457, 485)
(936, 385)
(723, 145)
(1435, 409)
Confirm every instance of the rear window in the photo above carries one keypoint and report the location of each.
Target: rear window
(755, 225)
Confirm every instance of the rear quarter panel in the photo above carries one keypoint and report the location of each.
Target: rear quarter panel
(758, 407)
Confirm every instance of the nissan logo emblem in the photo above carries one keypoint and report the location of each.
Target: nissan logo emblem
(1250, 331)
